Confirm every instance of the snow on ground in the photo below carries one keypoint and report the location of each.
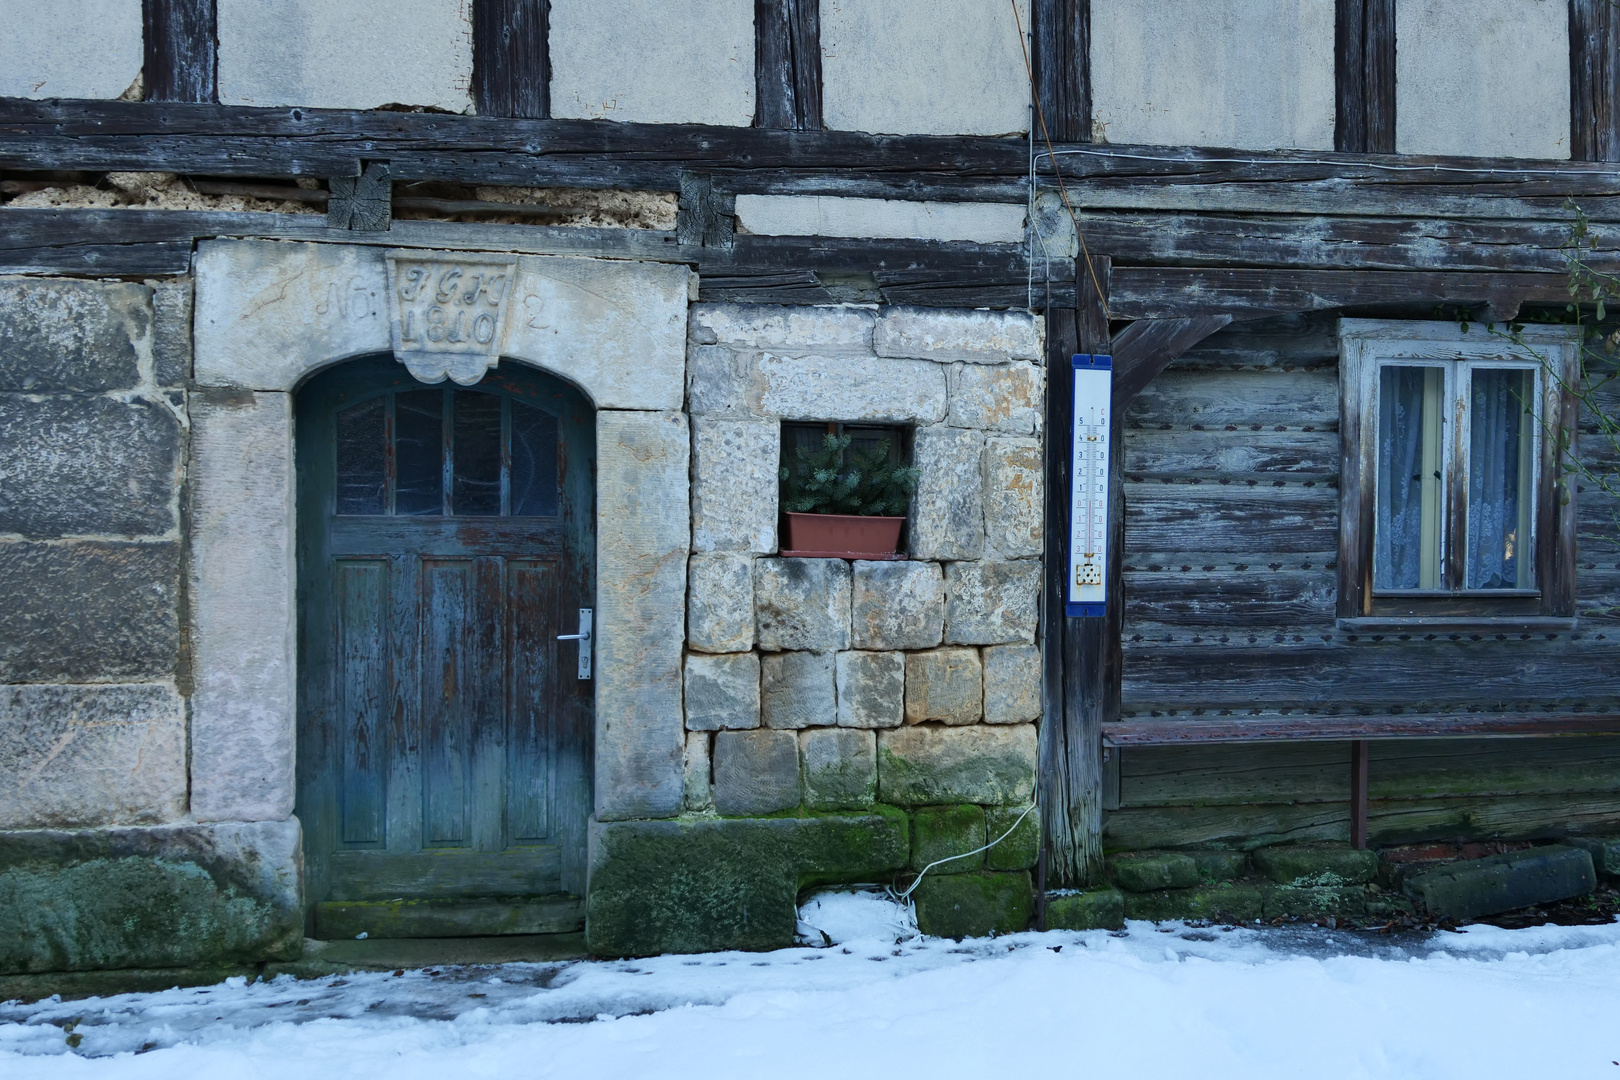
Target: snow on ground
(1152, 1001)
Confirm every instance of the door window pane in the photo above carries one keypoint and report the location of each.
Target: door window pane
(362, 476)
(1407, 531)
(419, 452)
(534, 462)
(1500, 468)
(477, 451)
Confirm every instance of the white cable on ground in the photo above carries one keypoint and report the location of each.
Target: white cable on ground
(906, 896)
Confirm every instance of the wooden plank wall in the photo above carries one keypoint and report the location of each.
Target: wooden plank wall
(1231, 470)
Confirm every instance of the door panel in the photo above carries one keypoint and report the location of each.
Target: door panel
(444, 739)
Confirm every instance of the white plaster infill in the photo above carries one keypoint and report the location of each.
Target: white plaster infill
(268, 315)
(883, 219)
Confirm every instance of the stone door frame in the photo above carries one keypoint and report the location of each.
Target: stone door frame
(268, 315)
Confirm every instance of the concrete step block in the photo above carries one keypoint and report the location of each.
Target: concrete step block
(1519, 879)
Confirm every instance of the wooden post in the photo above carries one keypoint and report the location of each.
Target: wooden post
(181, 49)
(1076, 689)
(1062, 60)
(511, 58)
(1365, 116)
(787, 64)
(1358, 794)
(1594, 39)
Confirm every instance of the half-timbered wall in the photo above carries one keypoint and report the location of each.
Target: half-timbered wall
(1232, 466)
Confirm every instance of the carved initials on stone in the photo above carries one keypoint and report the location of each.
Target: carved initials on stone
(449, 312)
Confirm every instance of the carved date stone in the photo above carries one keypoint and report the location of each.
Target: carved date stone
(448, 312)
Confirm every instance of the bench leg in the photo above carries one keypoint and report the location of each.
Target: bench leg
(1358, 794)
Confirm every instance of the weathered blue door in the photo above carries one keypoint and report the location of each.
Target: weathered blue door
(445, 543)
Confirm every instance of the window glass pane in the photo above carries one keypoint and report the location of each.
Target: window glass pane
(362, 482)
(477, 454)
(419, 452)
(1500, 508)
(1406, 548)
(534, 462)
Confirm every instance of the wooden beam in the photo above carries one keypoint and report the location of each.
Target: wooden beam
(1206, 732)
(181, 50)
(1061, 57)
(511, 58)
(787, 64)
(1594, 60)
(1057, 831)
(363, 202)
(1147, 347)
(1166, 292)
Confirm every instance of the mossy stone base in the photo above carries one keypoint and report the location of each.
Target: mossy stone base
(1226, 902)
(161, 897)
(1094, 909)
(1316, 865)
(1605, 852)
(1219, 865)
(1339, 901)
(974, 905)
(82, 984)
(1022, 849)
(1145, 871)
(939, 832)
(701, 884)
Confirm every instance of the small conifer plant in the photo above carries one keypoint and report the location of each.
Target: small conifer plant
(863, 482)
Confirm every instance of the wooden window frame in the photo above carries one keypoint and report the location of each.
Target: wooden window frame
(1365, 345)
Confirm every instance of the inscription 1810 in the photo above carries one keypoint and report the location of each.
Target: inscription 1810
(449, 312)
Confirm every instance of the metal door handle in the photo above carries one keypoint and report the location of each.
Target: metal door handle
(584, 639)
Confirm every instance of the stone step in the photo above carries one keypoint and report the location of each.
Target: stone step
(1518, 879)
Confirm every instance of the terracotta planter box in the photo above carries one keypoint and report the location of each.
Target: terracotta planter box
(841, 536)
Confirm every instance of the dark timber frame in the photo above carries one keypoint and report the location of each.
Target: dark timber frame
(181, 50)
(1594, 60)
(511, 58)
(1365, 48)
(787, 64)
(1062, 63)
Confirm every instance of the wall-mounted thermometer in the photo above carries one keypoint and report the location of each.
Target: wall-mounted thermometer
(1088, 512)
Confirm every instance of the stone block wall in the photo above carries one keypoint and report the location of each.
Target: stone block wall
(833, 685)
(93, 435)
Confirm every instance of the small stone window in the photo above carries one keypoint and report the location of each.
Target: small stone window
(861, 436)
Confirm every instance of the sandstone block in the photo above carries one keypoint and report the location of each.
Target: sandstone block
(89, 610)
(802, 604)
(1316, 864)
(897, 605)
(871, 689)
(71, 336)
(1094, 909)
(930, 765)
(1219, 865)
(822, 330)
(840, 768)
(720, 603)
(1014, 510)
(78, 756)
(717, 382)
(1012, 684)
(755, 772)
(1475, 887)
(949, 335)
(947, 511)
(1145, 871)
(848, 388)
(998, 397)
(735, 485)
(642, 532)
(88, 465)
(991, 603)
(1605, 852)
(171, 332)
(1228, 901)
(945, 685)
(698, 770)
(976, 904)
(1022, 847)
(157, 897)
(798, 690)
(948, 832)
(722, 691)
(242, 569)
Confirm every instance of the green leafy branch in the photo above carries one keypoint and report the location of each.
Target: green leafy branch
(822, 481)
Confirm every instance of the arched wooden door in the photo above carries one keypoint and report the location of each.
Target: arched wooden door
(446, 541)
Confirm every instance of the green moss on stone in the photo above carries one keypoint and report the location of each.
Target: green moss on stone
(1219, 865)
(699, 884)
(939, 832)
(1022, 849)
(1315, 902)
(1145, 871)
(1094, 909)
(974, 905)
(1226, 902)
(1316, 865)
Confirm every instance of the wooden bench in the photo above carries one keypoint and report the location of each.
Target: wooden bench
(1358, 731)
